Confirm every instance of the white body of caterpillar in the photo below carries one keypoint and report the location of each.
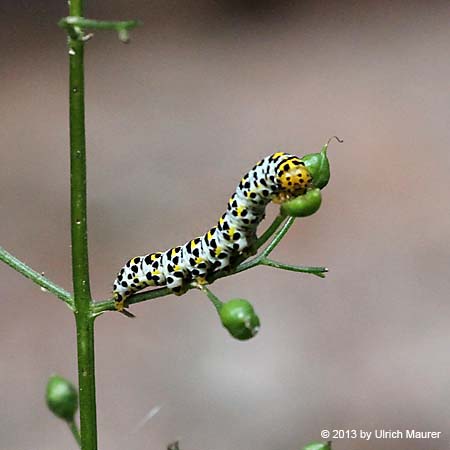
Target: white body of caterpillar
(277, 177)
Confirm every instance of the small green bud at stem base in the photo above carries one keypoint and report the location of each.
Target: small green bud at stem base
(239, 318)
(318, 446)
(62, 398)
(303, 205)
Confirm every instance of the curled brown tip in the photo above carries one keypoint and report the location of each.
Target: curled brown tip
(335, 137)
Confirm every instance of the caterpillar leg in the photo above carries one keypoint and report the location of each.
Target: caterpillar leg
(252, 250)
(199, 282)
(119, 302)
(180, 290)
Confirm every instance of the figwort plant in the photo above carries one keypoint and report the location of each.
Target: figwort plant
(236, 315)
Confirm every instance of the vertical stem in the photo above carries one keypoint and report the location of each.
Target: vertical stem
(86, 381)
(80, 267)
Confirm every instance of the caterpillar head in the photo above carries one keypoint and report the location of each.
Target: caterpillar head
(294, 179)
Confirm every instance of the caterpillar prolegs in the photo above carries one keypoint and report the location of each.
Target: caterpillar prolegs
(277, 177)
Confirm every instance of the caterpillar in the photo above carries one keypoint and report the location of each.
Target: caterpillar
(277, 178)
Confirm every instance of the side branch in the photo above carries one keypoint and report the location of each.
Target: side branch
(278, 236)
(270, 231)
(109, 305)
(36, 277)
(318, 271)
(73, 25)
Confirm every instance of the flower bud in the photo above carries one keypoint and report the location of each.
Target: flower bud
(239, 318)
(62, 398)
(319, 167)
(318, 446)
(303, 205)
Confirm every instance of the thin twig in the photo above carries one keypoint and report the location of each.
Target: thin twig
(75, 432)
(270, 230)
(318, 271)
(74, 24)
(213, 298)
(278, 236)
(108, 305)
(36, 277)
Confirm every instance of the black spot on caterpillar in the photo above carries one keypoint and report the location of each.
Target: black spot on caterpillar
(277, 177)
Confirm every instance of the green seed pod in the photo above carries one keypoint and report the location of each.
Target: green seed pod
(303, 205)
(62, 398)
(318, 166)
(318, 446)
(239, 318)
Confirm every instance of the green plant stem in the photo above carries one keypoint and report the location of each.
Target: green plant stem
(260, 260)
(270, 230)
(108, 305)
(38, 278)
(81, 22)
(75, 432)
(86, 381)
(318, 271)
(278, 236)
(80, 262)
(80, 266)
(214, 299)
(74, 24)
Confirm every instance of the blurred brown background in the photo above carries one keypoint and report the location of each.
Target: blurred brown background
(204, 90)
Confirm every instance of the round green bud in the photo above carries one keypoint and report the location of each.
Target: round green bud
(303, 205)
(239, 318)
(318, 446)
(62, 398)
(319, 167)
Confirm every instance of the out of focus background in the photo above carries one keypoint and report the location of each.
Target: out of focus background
(205, 89)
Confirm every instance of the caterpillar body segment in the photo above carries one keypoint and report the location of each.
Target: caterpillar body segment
(277, 177)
